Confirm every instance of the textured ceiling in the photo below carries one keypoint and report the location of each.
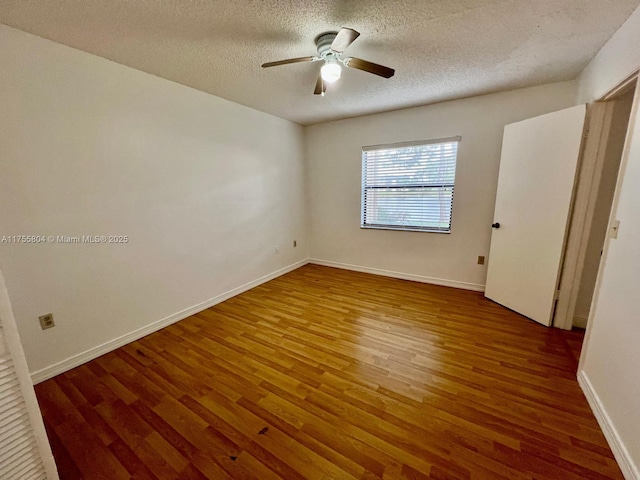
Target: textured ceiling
(441, 49)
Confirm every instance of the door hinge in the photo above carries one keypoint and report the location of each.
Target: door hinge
(557, 295)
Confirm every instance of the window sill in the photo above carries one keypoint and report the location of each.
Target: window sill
(400, 229)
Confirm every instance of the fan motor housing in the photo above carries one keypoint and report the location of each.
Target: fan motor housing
(324, 41)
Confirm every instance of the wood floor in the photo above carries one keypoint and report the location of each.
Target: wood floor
(330, 374)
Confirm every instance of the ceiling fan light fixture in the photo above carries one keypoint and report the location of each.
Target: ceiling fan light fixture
(331, 47)
(330, 72)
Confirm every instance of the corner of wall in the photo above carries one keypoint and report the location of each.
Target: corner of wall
(616, 60)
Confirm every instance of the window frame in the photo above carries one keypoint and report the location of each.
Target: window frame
(407, 228)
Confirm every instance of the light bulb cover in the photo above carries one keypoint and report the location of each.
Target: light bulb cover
(330, 72)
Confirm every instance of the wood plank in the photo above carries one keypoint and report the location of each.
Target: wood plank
(324, 373)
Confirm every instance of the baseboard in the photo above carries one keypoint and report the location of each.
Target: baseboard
(580, 321)
(620, 452)
(403, 276)
(88, 355)
(77, 360)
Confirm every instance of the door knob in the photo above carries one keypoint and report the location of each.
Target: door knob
(495, 225)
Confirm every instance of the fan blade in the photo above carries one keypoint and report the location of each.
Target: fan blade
(344, 38)
(320, 86)
(370, 67)
(290, 60)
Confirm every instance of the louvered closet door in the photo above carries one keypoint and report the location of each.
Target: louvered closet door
(19, 452)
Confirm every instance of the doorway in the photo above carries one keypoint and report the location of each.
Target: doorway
(602, 209)
(590, 219)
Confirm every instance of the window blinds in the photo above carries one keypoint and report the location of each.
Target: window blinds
(409, 186)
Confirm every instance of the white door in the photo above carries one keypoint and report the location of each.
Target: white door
(535, 187)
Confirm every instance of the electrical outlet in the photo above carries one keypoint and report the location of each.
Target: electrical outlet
(480, 259)
(46, 321)
(295, 244)
(277, 249)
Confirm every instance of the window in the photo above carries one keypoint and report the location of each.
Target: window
(409, 186)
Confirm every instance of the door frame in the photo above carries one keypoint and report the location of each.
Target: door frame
(591, 164)
(635, 111)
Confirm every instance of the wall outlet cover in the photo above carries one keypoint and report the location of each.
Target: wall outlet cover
(46, 321)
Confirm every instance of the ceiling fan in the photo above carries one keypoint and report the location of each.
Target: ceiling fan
(331, 46)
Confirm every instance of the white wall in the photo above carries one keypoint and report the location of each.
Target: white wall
(334, 154)
(610, 362)
(204, 189)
